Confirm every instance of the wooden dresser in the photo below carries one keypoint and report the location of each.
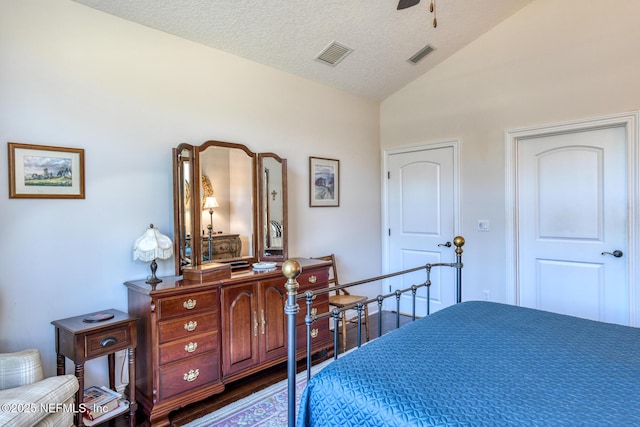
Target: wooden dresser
(195, 338)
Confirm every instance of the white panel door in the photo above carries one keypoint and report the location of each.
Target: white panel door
(420, 209)
(572, 208)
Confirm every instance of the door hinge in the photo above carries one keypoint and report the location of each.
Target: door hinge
(388, 174)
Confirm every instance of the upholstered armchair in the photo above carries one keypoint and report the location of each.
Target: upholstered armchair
(29, 399)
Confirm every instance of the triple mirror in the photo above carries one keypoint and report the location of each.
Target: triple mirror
(230, 205)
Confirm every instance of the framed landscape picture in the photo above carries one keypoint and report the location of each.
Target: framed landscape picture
(324, 182)
(45, 172)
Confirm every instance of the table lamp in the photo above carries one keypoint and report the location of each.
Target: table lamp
(210, 203)
(150, 246)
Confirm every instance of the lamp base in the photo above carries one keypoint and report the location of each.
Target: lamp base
(153, 280)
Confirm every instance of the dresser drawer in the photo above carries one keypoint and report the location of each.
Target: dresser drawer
(313, 279)
(188, 304)
(107, 341)
(187, 326)
(188, 374)
(192, 346)
(320, 306)
(321, 333)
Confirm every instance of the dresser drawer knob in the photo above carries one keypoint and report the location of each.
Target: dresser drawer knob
(191, 326)
(314, 311)
(108, 341)
(190, 304)
(192, 375)
(191, 347)
(313, 279)
(314, 333)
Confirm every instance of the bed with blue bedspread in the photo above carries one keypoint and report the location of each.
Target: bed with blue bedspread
(483, 364)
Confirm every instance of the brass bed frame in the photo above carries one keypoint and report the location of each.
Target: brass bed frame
(292, 269)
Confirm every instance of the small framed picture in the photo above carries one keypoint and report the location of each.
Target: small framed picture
(45, 172)
(324, 182)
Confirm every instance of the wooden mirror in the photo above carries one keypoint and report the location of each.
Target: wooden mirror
(218, 200)
(273, 207)
(183, 178)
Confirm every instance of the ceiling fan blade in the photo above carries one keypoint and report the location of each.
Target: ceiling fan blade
(403, 4)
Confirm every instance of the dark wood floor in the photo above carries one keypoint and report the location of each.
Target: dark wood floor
(249, 385)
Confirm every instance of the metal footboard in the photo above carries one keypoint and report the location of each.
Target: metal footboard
(292, 269)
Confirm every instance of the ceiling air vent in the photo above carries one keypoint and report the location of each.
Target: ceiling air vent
(421, 54)
(333, 54)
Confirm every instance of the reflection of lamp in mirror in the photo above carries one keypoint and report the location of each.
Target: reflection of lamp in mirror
(210, 203)
(150, 246)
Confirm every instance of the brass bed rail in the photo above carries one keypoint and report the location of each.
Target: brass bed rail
(292, 269)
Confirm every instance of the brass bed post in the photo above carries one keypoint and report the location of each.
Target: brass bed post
(291, 270)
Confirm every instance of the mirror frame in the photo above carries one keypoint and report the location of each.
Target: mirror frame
(194, 176)
(263, 198)
(179, 199)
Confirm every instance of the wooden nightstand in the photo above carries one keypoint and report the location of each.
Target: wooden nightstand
(81, 341)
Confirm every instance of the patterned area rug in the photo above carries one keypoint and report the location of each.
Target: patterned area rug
(265, 408)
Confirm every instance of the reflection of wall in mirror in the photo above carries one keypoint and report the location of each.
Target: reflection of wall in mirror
(275, 184)
(241, 199)
(185, 250)
(186, 223)
(273, 194)
(216, 168)
(187, 197)
(230, 172)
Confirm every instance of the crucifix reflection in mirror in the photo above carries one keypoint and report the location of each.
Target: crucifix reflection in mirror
(272, 194)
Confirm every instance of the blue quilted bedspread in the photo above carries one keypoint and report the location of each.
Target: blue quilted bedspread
(482, 363)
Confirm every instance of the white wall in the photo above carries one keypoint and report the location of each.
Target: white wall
(75, 77)
(552, 61)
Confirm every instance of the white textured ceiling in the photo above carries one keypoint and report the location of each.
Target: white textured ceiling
(289, 34)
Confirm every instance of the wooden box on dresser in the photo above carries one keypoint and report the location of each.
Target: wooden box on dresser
(193, 338)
